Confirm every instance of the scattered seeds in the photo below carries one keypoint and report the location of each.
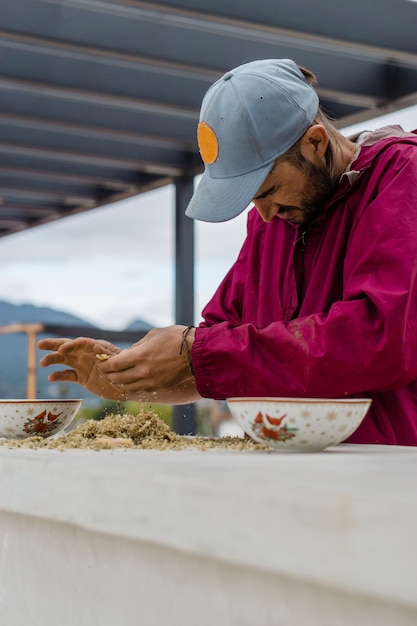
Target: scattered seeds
(143, 431)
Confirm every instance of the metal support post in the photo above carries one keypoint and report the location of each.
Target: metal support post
(184, 416)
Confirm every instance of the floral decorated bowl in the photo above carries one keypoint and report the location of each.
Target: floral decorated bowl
(299, 424)
(36, 418)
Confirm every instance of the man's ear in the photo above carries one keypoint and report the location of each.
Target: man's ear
(314, 144)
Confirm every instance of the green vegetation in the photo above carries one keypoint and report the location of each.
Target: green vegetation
(108, 407)
(164, 412)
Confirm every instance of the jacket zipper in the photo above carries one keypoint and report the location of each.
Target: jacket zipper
(302, 238)
(300, 244)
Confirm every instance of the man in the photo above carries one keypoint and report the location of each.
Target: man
(322, 300)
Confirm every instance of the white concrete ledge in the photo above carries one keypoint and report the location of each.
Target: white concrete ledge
(203, 538)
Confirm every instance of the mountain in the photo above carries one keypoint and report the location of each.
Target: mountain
(14, 346)
(139, 325)
(10, 313)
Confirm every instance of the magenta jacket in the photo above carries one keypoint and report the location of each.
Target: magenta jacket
(332, 313)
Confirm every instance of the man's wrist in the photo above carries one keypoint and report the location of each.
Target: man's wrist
(186, 346)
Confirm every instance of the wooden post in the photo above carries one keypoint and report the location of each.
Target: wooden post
(31, 330)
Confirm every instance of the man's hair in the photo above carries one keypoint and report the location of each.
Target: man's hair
(311, 78)
(293, 154)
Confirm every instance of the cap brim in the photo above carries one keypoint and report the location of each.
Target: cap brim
(221, 199)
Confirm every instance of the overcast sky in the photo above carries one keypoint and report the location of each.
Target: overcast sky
(112, 265)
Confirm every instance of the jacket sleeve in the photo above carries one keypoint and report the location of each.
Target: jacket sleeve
(367, 341)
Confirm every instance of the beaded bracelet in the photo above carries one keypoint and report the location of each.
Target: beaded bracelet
(184, 349)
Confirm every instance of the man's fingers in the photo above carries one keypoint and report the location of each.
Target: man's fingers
(68, 376)
(53, 358)
(81, 344)
(51, 343)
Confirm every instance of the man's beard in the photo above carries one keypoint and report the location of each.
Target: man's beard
(319, 186)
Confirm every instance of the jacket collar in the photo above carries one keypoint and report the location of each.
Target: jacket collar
(372, 143)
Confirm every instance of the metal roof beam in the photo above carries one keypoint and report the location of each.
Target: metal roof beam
(56, 47)
(91, 159)
(92, 98)
(12, 224)
(43, 196)
(98, 99)
(64, 178)
(242, 29)
(84, 130)
(381, 109)
(25, 210)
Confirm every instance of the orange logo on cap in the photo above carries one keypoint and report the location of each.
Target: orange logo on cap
(207, 143)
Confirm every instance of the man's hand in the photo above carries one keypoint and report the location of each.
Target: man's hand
(81, 356)
(151, 370)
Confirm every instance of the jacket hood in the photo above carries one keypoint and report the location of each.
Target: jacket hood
(372, 143)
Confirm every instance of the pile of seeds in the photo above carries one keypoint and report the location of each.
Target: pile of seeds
(143, 431)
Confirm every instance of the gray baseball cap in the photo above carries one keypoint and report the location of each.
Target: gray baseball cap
(248, 118)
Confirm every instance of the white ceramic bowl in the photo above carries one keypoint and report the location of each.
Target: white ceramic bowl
(29, 418)
(299, 424)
